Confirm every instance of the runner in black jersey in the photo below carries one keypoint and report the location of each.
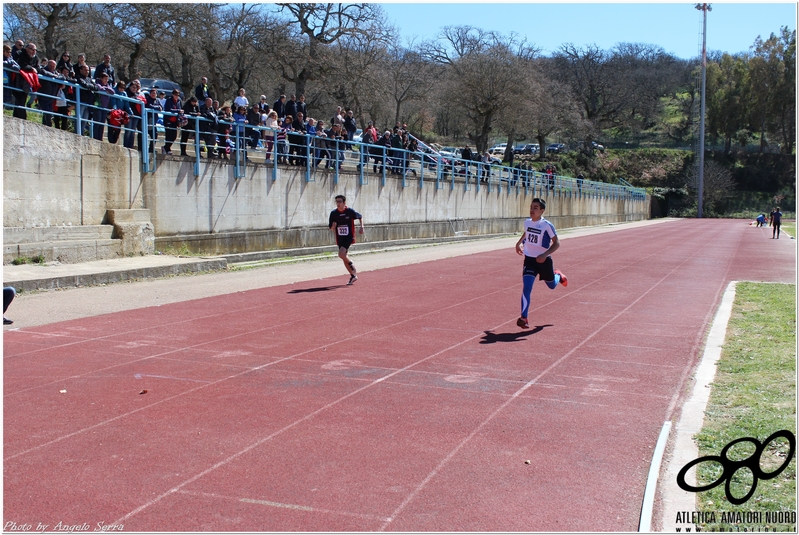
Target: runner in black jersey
(342, 223)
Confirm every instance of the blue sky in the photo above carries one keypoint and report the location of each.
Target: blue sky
(675, 27)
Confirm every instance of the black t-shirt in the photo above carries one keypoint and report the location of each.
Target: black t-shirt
(345, 223)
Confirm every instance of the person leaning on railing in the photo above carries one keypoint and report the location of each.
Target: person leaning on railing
(272, 124)
(135, 106)
(239, 122)
(104, 104)
(301, 148)
(282, 140)
(172, 106)
(64, 61)
(209, 127)
(320, 146)
(117, 117)
(87, 91)
(153, 107)
(225, 119)
(385, 142)
(27, 80)
(65, 95)
(397, 156)
(191, 110)
(253, 122)
(10, 72)
(48, 91)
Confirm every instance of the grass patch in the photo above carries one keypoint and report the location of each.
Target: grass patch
(789, 227)
(20, 260)
(183, 250)
(753, 395)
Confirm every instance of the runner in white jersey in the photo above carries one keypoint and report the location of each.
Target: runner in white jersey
(539, 240)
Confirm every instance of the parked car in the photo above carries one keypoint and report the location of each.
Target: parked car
(167, 86)
(556, 148)
(518, 149)
(498, 149)
(450, 152)
(594, 146)
(531, 148)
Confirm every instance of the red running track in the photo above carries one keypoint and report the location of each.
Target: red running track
(407, 402)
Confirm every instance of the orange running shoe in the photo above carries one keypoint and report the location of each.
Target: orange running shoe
(563, 280)
(522, 322)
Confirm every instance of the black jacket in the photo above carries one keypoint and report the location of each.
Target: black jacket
(280, 108)
(211, 124)
(349, 124)
(291, 108)
(48, 87)
(87, 90)
(101, 68)
(202, 93)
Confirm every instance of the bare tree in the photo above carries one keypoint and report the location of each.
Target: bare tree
(483, 75)
(409, 79)
(717, 185)
(318, 26)
(133, 29)
(552, 109)
(41, 22)
(644, 74)
(357, 83)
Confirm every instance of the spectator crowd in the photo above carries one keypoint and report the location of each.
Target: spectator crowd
(284, 125)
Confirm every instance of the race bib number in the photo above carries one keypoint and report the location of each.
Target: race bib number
(343, 230)
(532, 238)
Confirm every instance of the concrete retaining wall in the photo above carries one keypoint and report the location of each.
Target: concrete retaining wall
(53, 178)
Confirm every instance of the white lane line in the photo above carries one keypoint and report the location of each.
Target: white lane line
(280, 505)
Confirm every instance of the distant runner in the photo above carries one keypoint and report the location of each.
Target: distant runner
(538, 241)
(342, 223)
(776, 222)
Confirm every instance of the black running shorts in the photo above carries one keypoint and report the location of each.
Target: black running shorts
(544, 270)
(344, 241)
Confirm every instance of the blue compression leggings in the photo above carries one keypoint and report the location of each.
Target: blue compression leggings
(527, 289)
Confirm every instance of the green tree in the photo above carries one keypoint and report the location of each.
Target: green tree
(773, 85)
(727, 98)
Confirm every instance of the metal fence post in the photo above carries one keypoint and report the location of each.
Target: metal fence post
(196, 146)
(274, 156)
(308, 164)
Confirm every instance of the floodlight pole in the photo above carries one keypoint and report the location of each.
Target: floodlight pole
(704, 8)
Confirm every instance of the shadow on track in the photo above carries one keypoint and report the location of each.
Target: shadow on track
(491, 337)
(317, 289)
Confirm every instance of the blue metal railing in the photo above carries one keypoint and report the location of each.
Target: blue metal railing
(311, 151)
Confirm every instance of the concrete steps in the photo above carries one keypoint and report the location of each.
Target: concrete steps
(66, 244)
